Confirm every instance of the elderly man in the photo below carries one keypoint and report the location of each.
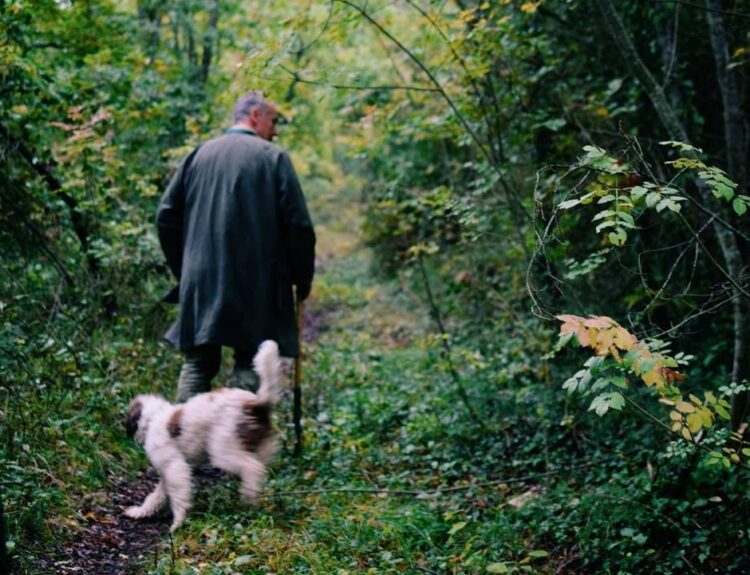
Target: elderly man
(235, 230)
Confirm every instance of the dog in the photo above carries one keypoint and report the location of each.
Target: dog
(229, 427)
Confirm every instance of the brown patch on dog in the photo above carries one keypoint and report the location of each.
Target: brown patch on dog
(255, 427)
(174, 426)
(134, 415)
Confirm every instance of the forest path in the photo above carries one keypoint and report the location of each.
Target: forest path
(109, 543)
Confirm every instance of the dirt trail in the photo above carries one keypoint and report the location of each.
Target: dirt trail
(111, 544)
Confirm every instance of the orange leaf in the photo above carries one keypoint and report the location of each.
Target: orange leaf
(602, 322)
(567, 318)
(624, 339)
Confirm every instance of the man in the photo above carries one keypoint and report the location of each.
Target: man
(235, 230)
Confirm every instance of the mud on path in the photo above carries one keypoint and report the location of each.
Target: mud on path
(110, 543)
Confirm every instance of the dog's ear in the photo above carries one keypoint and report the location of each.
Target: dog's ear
(133, 417)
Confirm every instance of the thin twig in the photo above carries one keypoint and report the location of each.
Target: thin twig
(385, 491)
(716, 263)
(299, 78)
(703, 8)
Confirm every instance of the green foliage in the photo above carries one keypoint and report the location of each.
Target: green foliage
(447, 183)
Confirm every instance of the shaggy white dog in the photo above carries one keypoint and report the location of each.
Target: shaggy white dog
(229, 427)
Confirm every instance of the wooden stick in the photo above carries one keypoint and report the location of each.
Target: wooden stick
(297, 414)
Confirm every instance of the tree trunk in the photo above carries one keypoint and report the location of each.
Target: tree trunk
(209, 41)
(150, 15)
(736, 155)
(734, 118)
(726, 239)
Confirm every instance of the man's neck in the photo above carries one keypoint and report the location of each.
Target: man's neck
(243, 126)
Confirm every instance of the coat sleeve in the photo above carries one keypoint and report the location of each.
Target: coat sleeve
(170, 218)
(297, 228)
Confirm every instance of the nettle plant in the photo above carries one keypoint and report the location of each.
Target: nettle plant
(621, 361)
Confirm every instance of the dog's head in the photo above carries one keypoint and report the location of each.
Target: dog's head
(135, 411)
(140, 413)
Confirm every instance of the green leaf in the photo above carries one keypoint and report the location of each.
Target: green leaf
(603, 214)
(619, 381)
(626, 217)
(553, 125)
(724, 191)
(605, 225)
(594, 152)
(682, 146)
(538, 553)
(721, 412)
(618, 237)
(457, 527)
(567, 204)
(740, 207)
(606, 401)
(673, 206)
(497, 568)
(242, 560)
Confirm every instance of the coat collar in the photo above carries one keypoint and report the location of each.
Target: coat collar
(247, 131)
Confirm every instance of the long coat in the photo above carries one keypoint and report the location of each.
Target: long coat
(234, 227)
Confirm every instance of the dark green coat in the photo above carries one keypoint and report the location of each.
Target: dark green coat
(234, 227)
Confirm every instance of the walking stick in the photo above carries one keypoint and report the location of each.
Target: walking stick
(297, 415)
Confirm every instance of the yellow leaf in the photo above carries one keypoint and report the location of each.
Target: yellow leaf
(686, 433)
(591, 334)
(694, 422)
(676, 426)
(604, 341)
(615, 354)
(529, 7)
(624, 339)
(602, 112)
(685, 407)
(675, 416)
(654, 378)
(739, 52)
(695, 400)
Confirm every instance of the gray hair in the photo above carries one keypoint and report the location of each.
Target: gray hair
(245, 104)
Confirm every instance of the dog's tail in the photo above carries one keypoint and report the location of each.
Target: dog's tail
(268, 367)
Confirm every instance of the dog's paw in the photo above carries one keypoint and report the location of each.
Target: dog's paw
(135, 512)
(250, 496)
(175, 524)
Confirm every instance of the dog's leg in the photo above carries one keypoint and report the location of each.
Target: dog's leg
(251, 470)
(253, 473)
(178, 484)
(151, 505)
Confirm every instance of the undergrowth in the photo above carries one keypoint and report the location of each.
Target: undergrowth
(397, 476)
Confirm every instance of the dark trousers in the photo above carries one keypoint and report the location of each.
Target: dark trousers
(201, 365)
